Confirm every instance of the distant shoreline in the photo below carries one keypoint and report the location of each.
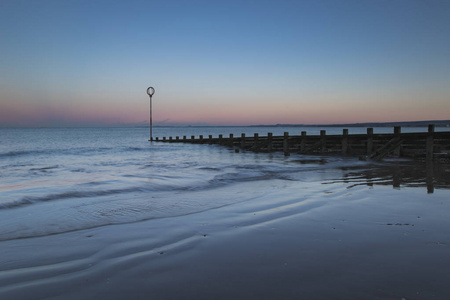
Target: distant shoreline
(437, 123)
(440, 123)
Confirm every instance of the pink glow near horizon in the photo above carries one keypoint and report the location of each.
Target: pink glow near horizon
(215, 113)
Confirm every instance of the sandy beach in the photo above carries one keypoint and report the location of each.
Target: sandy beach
(313, 239)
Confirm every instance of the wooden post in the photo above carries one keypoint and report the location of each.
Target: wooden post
(396, 180)
(192, 138)
(210, 139)
(164, 139)
(397, 132)
(369, 141)
(255, 146)
(220, 139)
(157, 138)
(286, 144)
(323, 140)
(201, 139)
(430, 176)
(177, 138)
(231, 141)
(269, 142)
(430, 142)
(184, 139)
(170, 139)
(243, 140)
(344, 141)
(303, 142)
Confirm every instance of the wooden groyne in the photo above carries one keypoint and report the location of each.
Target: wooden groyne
(428, 145)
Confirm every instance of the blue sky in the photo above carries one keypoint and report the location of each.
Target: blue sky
(223, 62)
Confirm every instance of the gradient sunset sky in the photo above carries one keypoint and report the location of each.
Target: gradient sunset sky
(74, 63)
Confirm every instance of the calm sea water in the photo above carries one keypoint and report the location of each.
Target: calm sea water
(67, 179)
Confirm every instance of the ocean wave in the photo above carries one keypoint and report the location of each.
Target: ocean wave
(44, 169)
(135, 149)
(156, 184)
(29, 200)
(22, 153)
(64, 151)
(232, 178)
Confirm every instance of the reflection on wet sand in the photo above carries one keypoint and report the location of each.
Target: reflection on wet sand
(432, 175)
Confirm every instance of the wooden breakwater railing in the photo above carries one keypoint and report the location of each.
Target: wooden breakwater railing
(427, 145)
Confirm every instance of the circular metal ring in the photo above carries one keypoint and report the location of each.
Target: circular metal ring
(150, 91)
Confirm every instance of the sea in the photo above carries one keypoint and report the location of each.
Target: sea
(103, 213)
(57, 180)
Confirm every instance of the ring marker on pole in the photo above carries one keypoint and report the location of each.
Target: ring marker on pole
(151, 92)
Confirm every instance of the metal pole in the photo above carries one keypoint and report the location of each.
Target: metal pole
(150, 92)
(151, 137)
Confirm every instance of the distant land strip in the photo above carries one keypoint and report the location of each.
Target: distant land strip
(437, 123)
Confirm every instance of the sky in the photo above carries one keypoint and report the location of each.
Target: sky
(89, 63)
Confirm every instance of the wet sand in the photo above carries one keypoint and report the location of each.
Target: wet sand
(351, 238)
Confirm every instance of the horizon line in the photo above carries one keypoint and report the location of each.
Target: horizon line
(421, 123)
